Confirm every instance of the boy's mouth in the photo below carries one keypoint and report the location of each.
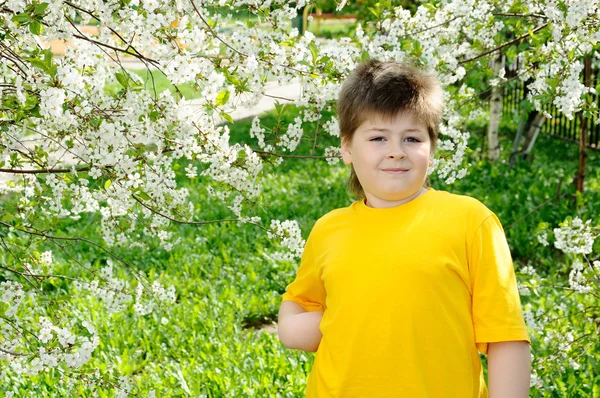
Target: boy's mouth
(397, 170)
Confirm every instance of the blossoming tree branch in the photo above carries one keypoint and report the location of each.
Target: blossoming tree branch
(68, 146)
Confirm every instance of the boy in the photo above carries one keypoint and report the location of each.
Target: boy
(397, 292)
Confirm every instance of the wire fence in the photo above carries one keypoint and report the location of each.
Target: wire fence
(559, 126)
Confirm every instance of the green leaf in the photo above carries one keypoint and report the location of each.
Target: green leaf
(154, 115)
(8, 217)
(35, 27)
(324, 60)
(122, 79)
(48, 56)
(151, 147)
(30, 102)
(37, 63)
(313, 50)
(107, 184)
(21, 18)
(40, 9)
(52, 70)
(223, 97)
(278, 108)
(314, 75)
(227, 117)
(143, 195)
(234, 80)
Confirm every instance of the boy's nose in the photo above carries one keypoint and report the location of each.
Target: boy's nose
(396, 152)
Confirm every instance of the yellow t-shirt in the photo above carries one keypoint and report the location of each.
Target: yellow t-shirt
(409, 295)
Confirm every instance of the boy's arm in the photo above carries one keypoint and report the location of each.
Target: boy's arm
(509, 369)
(297, 328)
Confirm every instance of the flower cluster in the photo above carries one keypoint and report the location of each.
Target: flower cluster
(12, 294)
(574, 236)
(290, 238)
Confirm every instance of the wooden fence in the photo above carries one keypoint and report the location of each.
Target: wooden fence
(559, 126)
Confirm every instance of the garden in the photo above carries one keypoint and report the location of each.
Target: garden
(145, 243)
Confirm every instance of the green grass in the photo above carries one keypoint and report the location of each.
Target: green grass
(156, 81)
(330, 30)
(212, 343)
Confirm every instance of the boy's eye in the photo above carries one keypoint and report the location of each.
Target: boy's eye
(377, 139)
(413, 139)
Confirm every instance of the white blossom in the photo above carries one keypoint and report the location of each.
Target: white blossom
(574, 237)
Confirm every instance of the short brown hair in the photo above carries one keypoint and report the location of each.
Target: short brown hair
(387, 89)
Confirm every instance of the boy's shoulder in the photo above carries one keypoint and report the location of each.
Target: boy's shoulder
(459, 199)
(335, 217)
(465, 205)
(338, 214)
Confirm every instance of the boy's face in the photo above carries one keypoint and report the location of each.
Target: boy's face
(390, 158)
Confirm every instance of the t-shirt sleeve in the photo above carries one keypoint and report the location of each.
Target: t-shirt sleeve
(308, 289)
(496, 305)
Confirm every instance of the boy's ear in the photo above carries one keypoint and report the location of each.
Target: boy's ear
(346, 153)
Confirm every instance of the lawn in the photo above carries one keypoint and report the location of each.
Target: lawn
(214, 342)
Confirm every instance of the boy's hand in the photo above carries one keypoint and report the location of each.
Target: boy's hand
(299, 329)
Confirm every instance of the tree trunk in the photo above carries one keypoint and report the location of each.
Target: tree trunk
(515, 150)
(532, 134)
(580, 176)
(495, 112)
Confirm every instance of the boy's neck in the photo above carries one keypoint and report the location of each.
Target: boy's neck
(382, 204)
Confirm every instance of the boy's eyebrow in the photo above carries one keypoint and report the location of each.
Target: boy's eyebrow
(384, 130)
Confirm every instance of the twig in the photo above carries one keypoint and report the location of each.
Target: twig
(51, 237)
(17, 354)
(431, 27)
(504, 45)
(216, 36)
(44, 171)
(513, 15)
(109, 28)
(276, 97)
(195, 222)
(99, 43)
(294, 156)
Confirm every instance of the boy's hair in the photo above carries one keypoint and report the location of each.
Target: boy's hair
(387, 89)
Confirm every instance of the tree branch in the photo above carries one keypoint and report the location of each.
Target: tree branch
(431, 27)
(195, 222)
(54, 238)
(45, 171)
(294, 156)
(216, 36)
(135, 54)
(16, 354)
(513, 15)
(504, 45)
